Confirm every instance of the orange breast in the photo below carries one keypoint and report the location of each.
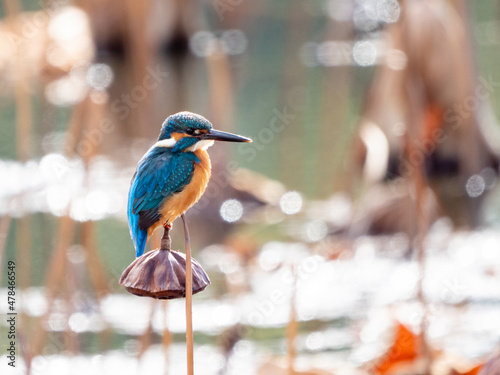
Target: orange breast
(181, 202)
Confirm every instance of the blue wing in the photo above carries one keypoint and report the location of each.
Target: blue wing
(159, 175)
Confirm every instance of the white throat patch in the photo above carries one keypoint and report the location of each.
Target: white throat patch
(169, 142)
(201, 145)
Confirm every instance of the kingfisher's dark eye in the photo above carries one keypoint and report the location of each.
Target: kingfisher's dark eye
(189, 131)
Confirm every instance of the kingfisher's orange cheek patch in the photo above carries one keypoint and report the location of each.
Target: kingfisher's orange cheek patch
(178, 136)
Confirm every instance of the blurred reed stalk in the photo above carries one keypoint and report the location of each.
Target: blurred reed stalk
(70, 292)
(140, 53)
(292, 327)
(97, 275)
(220, 85)
(145, 339)
(75, 127)
(95, 268)
(189, 302)
(13, 9)
(291, 154)
(415, 108)
(420, 186)
(333, 138)
(54, 279)
(4, 231)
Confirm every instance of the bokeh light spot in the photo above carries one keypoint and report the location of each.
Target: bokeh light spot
(96, 203)
(57, 322)
(58, 199)
(231, 210)
(54, 167)
(76, 254)
(291, 202)
(132, 347)
(490, 177)
(99, 76)
(271, 256)
(78, 209)
(399, 129)
(316, 230)
(388, 10)
(364, 53)
(332, 53)
(68, 24)
(234, 42)
(229, 263)
(223, 314)
(78, 322)
(475, 186)
(315, 341)
(339, 10)
(65, 91)
(365, 18)
(202, 43)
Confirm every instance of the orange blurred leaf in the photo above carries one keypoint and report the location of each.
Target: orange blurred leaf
(405, 348)
(432, 121)
(473, 371)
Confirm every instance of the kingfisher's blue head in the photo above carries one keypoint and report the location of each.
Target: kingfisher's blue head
(187, 131)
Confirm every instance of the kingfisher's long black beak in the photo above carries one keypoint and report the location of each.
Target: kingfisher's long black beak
(218, 135)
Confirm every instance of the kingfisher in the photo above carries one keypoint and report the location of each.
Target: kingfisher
(172, 175)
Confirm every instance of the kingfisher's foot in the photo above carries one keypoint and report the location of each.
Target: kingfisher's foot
(167, 226)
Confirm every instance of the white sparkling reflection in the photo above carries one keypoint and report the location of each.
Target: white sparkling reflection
(97, 204)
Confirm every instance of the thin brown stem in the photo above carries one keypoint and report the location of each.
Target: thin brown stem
(165, 240)
(189, 302)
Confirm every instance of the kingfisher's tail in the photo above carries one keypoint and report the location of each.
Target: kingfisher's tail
(140, 242)
(140, 237)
